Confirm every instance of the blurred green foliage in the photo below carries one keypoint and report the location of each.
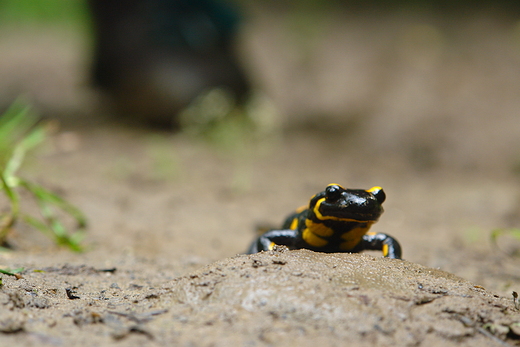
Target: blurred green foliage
(439, 4)
(382, 6)
(30, 12)
(76, 12)
(507, 240)
(241, 132)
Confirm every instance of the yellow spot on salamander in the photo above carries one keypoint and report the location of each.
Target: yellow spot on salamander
(385, 250)
(318, 228)
(313, 239)
(353, 237)
(335, 184)
(373, 189)
(271, 246)
(294, 224)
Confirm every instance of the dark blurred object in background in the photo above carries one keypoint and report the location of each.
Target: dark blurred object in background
(153, 57)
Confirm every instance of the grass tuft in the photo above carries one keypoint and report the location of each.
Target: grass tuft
(21, 132)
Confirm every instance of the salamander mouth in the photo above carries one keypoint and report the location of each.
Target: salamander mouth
(347, 212)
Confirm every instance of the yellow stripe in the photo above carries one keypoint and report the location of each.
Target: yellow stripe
(294, 224)
(371, 190)
(322, 217)
(318, 228)
(385, 250)
(335, 184)
(313, 239)
(353, 237)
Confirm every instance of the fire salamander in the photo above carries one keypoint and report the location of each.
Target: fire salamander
(336, 220)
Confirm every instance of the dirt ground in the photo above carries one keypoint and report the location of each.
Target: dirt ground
(425, 106)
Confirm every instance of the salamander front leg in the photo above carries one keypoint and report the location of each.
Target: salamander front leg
(380, 242)
(286, 237)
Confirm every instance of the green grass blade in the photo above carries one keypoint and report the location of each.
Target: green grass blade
(16, 121)
(35, 137)
(45, 196)
(12, 272)
(51, 224)
(7, 221)
(498, 233)
(20, 133)
(61, 238)
(13, 197)
(514, 232)
(37, 224)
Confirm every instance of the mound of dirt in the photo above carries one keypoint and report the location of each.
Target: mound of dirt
(303, 298)
(280, 297)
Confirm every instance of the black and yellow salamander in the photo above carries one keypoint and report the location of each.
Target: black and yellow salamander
(336, 220)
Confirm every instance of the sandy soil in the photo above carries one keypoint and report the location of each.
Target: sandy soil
(425, 107)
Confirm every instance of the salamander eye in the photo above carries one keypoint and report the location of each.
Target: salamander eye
(378, 193)
(332, 192)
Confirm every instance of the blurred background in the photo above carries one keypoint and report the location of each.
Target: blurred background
(183, 124)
